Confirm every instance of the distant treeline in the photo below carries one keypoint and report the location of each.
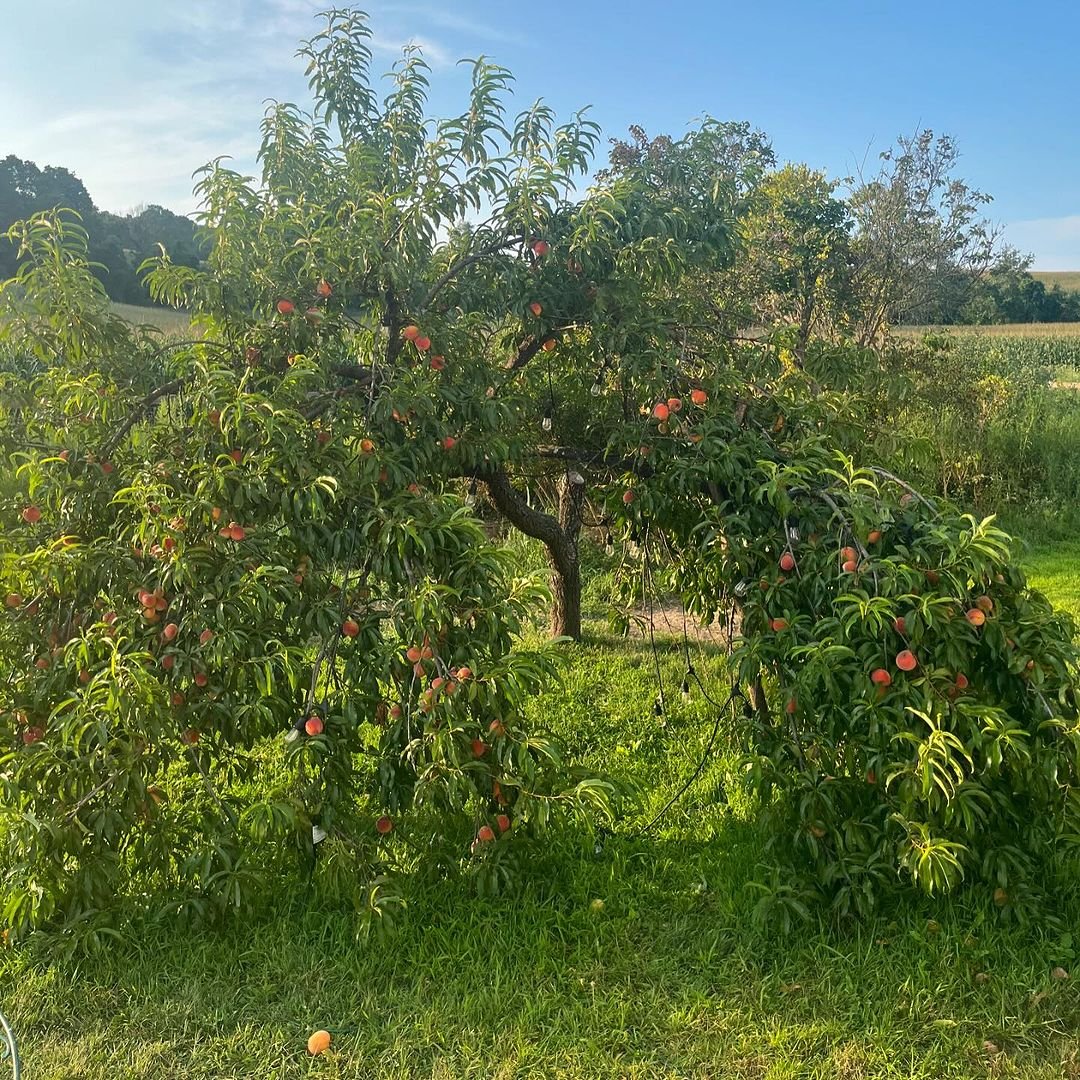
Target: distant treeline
(1005, 293)
(951, 291)
(119, 244)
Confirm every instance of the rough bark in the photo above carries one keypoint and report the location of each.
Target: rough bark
(558, 535)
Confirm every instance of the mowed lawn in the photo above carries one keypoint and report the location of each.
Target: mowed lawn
(637, 958)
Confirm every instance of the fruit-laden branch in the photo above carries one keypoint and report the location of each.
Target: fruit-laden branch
(140, 410)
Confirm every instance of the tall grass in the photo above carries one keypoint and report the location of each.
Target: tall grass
(994, 423)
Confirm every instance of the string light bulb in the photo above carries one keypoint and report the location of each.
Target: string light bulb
(546, 422)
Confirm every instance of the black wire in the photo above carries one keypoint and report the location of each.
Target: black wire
(700, 765)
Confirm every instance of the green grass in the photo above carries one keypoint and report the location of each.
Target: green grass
(1069, 280)
(667, 979)
(164, 318)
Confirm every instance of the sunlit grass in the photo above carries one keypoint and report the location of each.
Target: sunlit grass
(636, 958)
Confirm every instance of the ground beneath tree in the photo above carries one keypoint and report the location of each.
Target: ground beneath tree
(670, 619)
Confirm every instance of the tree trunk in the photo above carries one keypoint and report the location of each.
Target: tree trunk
(558, 535)
(566, 563)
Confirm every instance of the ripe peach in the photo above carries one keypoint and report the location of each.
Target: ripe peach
(190, 736)
(778, 624)
(899, 625)
(787, 561)
(170, 631)
(536, 309)
(318, 1042)
(548, 345)
(449, 442)
(485, 834)
(874, 536)
(395, 712)
(880, 677)
(366, 446)
(961, 681)
(324, 288)
(285, 307)
(463, 673)
(201, 678)
(698, 397)
(848, 554)
(479, 747)
(411, 333)
(13, 600)
(32, 735)
(215, 514)
(791, 707)
(933, 577)
(985, 604)
(628, 497)
(905, 660)
(41, 663)
(384, 825)
(31, 515)
(497, 728)
(84, 676)
(503, 822)
(437, 363)
(412, 654)
(206, 637)
(423, 343)
(350, 628)
(674, 404)
(168, 662)
(661, 411)
(976, 616)
(850, 566)
(313, 725)
(540, 248)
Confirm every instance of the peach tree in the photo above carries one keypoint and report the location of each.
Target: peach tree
(909, 701)
(239, 629)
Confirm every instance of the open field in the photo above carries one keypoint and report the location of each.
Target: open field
(640, 960)
(1069, 330)
(164, 318)
(1069, 280)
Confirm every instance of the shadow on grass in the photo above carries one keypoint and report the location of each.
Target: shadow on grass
(664, 977)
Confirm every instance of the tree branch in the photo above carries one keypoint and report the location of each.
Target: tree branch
(463, 263)
(139, 412)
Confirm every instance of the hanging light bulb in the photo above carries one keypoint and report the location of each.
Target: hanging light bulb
(546, 422)
(595, 389)
(658, 707)
(686, 689)
(609, 544)
(742, 588)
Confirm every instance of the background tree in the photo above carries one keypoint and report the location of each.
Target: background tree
(797, 258)
(918, 232)
(117, 245)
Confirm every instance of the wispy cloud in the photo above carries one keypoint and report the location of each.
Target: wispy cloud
(136, 106)
(1054, 241)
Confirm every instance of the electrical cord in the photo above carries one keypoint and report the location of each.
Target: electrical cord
(9, 1047)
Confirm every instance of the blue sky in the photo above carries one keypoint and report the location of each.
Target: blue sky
(133, 95)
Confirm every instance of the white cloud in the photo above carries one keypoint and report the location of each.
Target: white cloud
(135, 108)
(1055, 242)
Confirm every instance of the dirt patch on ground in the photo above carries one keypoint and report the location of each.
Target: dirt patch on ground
(669, 620)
